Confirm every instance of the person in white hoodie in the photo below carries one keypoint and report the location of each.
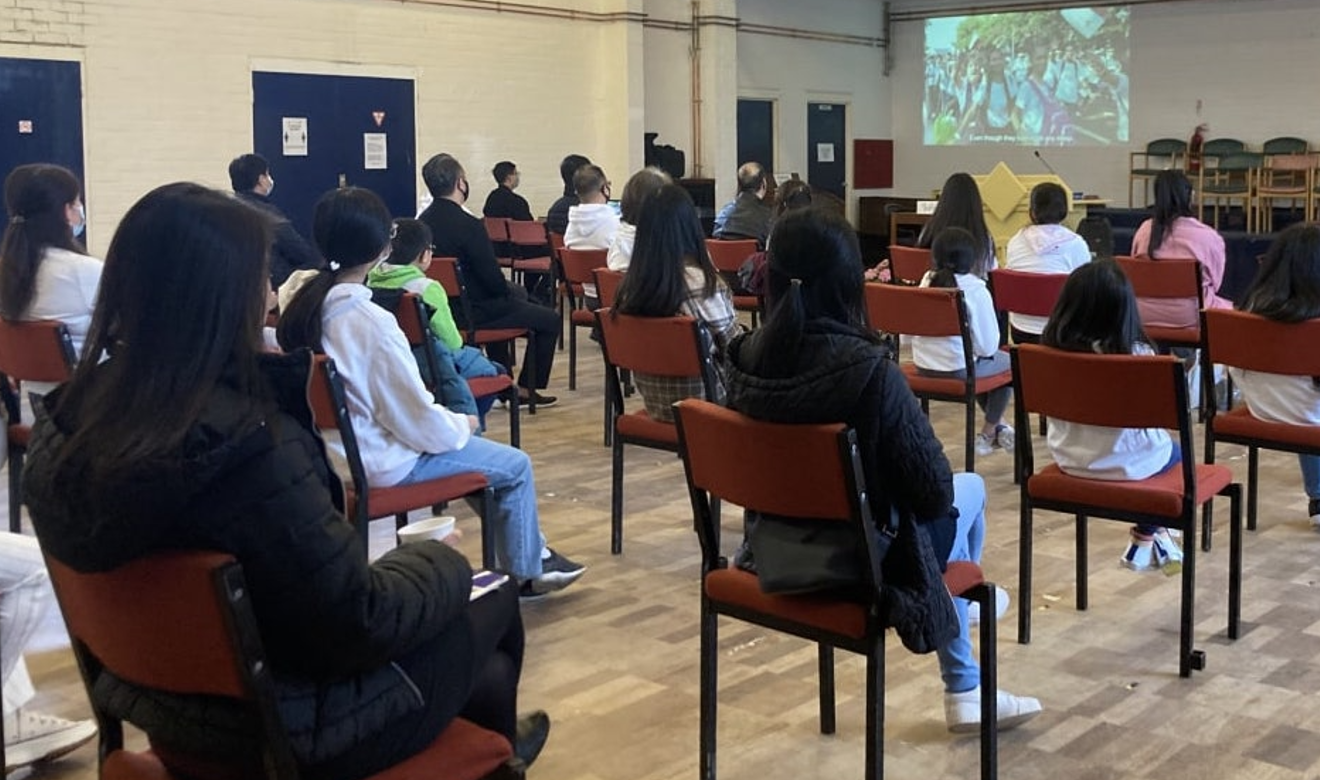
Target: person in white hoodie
(956, 254)
(45, 273)
(1046, 246)
(640, 186)
(403, 435)
(593, 222)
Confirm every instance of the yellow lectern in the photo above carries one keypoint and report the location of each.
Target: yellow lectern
(1007, 200)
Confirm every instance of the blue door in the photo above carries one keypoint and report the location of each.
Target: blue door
(340, 112)
(826, 151)
(40, 114)
(756, 133)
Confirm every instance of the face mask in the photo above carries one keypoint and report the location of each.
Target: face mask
(271, 187)
(464, 188)
(82, 222)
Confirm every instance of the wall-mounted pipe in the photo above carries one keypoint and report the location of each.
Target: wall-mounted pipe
(695, 58)
(1012, 7)
(526, 9)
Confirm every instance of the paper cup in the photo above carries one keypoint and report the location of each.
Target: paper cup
(436, 528)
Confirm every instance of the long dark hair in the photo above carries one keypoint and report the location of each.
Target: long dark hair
(352, 228)
(1287, 286)
(959, 206)
(182, 301)
(1096, 312)
(814, 272)
(35, 198)
(953, 252)
(1173, 199)
(669, 240)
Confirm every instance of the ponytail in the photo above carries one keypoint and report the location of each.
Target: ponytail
(954, 251)
(774, 352)
(300, 322)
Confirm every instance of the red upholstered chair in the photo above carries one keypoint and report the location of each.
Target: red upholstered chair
(661, 346)
(445, 270)
(1175, 280)
(36, 351)
(813, 472)
(561, 289)
(907, 264)
(363, 503)
(1020, 292)
(728, 256)
(928, 311)
(579, 264)
(532, 247)
(607, 285)
(497, 229)
(198, 637)
(415, 324)
(1251, 342)
(1119, 391)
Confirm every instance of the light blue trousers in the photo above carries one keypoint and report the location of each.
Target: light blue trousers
(958, 664)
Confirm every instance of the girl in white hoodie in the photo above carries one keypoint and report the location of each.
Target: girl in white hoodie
(1044, 247)
(1097, 312)
(956, 255)
(403, 435)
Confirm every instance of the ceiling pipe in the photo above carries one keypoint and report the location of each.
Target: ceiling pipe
(1013, 7)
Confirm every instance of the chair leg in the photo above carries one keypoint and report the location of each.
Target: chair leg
(531, 370)
(825, 660)
(1234, 559)
(616, 497)
(969, 437)
(1253, 485)
(16, 490)
(515, 428)
(1024, 572)
(709, 682)
(1081, 553)
(400, 520)
(572, 355)
(875, 709)
(1188, 657)
(985, 595)
(488, 560)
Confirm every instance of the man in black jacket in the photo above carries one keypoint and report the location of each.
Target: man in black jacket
(495, 303)
(556, 219)
(503, 201)
(249, 174)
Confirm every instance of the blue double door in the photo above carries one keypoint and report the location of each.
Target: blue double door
(341, 116)
(40, 114)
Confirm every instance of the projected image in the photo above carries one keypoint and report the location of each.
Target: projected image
(1043, 78)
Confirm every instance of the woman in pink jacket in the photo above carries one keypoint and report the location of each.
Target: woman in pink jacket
(1173, 233)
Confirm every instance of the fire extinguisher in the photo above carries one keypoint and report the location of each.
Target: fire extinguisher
(1194, 148)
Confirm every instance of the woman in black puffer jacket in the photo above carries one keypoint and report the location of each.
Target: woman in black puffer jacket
(187, 437)
(815, 360)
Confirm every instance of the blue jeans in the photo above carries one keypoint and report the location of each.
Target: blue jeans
(518, 539)
(1175, 457)
(958, 664)
(1310, 475)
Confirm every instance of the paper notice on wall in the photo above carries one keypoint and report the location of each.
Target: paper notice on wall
(374, 152)
(295, 136)
(825, 153)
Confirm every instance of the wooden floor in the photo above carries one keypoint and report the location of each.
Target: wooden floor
(614, 658)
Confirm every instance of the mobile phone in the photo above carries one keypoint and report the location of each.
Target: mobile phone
(484, 582)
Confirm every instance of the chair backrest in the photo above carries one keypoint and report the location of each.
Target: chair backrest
(1253, 342)
(1166, 278)
(1285, 145)
(497, 229)
(177, 623)
(579, 264)
(410, 314)
(660, 346)
(1219, 147)
(1238, 162)
(526, 233)
(907, 264)
(729, 255)
(804, 471)
(329, 402)
(607, 285)
(32, 351)
(1119, 391)
(556, 242)
(1021, 292)
(446, 271)
(1166, 147)
(914, 311)
(1293, 163)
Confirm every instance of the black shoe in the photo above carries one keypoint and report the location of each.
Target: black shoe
(541, 400)
(532, 732)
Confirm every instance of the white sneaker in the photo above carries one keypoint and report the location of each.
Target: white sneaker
(1005, 436)
(962, 711)
(1140, 554)
(1313, 509)
(1168, 555)
(984, 444)
(35, 736)
(974, 607)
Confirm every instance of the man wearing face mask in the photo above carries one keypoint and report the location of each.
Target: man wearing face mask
(495, 302)
(249, 174)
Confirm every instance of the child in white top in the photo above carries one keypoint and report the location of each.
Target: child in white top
(593, 222)
(1287, 289)
(1046, 246)
(955, 255)
(1097, 312)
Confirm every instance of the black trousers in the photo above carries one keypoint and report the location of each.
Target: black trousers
(485, 692)
(541, 320)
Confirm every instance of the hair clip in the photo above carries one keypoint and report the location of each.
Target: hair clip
(795, 281)
(334, 265)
